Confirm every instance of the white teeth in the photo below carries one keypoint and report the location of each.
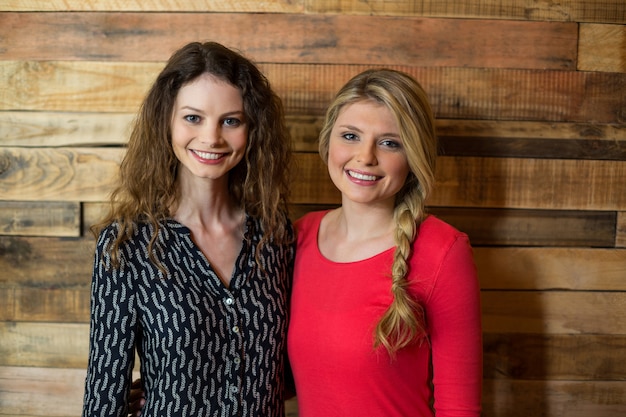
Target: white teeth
(207, 155)
(361, 176)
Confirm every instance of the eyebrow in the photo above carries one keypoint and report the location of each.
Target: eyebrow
(350, 127)
(228, 113)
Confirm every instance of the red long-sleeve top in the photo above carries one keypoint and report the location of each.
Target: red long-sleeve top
(334, 310)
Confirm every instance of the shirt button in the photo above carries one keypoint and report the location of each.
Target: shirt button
(233, 389)
(236, 329)
(229, 301)
(237, 361)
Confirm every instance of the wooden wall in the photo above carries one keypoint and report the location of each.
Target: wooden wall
(530, 98)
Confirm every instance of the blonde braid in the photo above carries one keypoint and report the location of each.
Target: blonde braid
(404, 321)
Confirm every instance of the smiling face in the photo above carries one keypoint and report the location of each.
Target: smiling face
(366, 158)
(209, 130)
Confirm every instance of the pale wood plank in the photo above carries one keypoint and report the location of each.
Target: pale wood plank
(287, 38)
(26, 391)
(39, 174)
(48, 129)
(458, 93)
(599, 48)
(554, 312)
(50, 345)
(554, 357)
(514, 268)
(620, 230)
(511, 398)
(88, 174)
(40, 218)
(266, 6)
(609, 11)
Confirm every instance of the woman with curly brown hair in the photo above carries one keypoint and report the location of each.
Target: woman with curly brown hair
(193, 262)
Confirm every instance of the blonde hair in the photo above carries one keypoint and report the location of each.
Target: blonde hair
(404, 322)
(148, 189)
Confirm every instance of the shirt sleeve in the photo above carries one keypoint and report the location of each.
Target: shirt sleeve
(454, 317)
(112, 335)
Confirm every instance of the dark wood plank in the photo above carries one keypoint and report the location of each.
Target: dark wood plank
(543, 268)
(554, 357)
(37, 218)
(507, 227)
(456, 93)
(285, 38)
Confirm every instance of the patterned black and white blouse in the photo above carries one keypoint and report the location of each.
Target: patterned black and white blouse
(205, 349)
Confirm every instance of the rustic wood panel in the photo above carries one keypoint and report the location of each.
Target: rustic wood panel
(540, 268)
(554, 312)
(46, 262)
(609, 11)
(304, 38)
(553, 398)
(88, 174)
(49, 345)
(555, 357)
(40, 218)
(594, 58)
(532, 227)
(465, 93)
(457, 137)
(620, 235)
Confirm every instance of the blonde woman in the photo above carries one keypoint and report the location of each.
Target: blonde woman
(385, 313)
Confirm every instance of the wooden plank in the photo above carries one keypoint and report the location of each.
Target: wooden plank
(580, 140)
(286, 38)
(46, 262)
(513, 398)
(49, 345)
(88, 174)
(620, 233)
(609, 11)
(554, 312)
(39, 174)
(496, 183)
(266, 6)
(306, 89)
(47, 129)
(28, 391)
(514, 268)
(566, 10)
(46, 304)
(40, 218)
(598, 48)
(554, 357)
(532, 227)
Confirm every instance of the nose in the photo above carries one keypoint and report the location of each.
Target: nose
(367, 154)
(212, 135)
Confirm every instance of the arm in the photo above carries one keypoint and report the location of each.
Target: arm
(456, 336)
(112, 337)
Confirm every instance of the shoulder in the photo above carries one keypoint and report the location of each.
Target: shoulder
(435, 232)
(310, 220)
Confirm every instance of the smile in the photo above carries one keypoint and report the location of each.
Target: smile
(362, 177)
(207, 155)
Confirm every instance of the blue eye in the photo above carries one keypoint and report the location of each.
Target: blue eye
(389, 143)
(192, 118)
(349, 136)
(231, 121)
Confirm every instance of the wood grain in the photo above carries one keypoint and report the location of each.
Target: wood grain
(304, 38)
(609, 11)
(598, 45)
(40, 218)
(456, 93)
